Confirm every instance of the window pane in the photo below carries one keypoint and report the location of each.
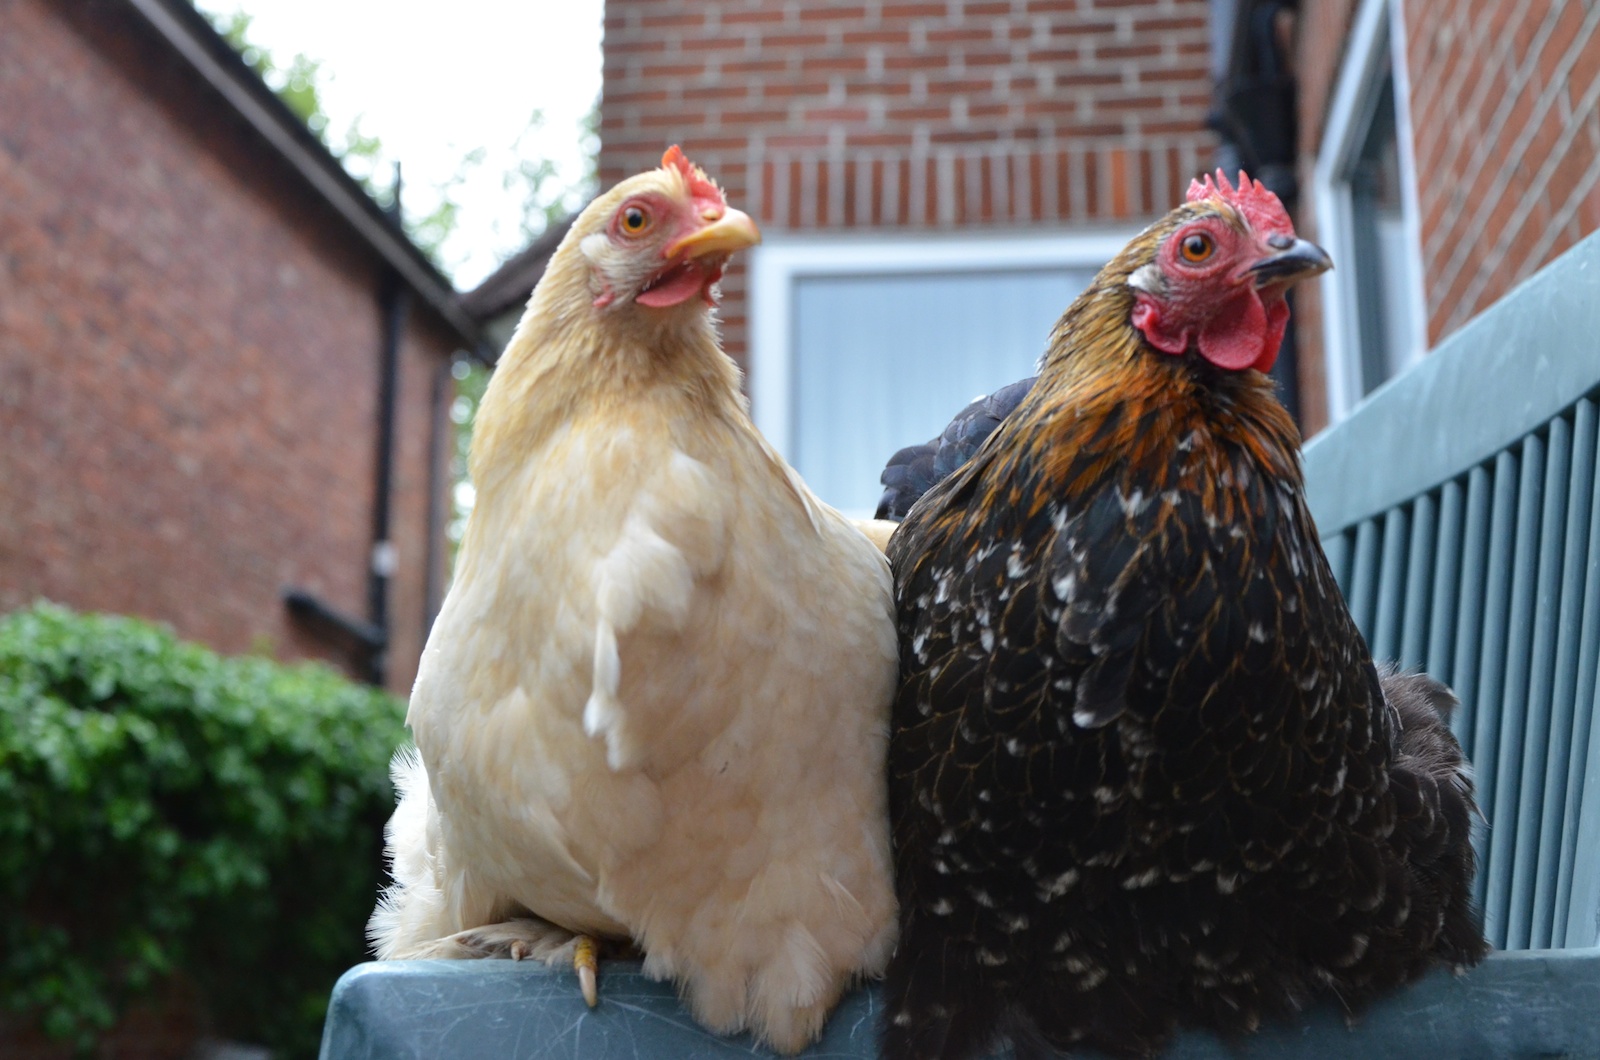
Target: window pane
(884, 361)
(1378, 219)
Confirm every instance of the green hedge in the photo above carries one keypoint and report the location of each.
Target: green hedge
(163, 808)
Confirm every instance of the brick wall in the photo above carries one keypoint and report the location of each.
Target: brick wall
(1506, 107)
(913, 114)
(188, 355)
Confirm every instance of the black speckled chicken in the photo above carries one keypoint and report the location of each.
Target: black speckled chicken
(1143, 771)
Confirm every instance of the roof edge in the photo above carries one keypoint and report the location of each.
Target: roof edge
(194, 39)
(513, 282)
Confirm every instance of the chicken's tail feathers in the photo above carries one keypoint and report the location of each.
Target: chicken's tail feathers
(907, 476)
(1435, 807)
(1423, 707)
(413, 905)
(916, 469)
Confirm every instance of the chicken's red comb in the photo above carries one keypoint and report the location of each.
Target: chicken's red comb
(700, 185)
(1260, 207)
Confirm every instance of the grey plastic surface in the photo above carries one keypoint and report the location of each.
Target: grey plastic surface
(1542, 1003)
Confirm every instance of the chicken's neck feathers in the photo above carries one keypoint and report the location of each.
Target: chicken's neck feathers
(569, 360)
(1099, 369)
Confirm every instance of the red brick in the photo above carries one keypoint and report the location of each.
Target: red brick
(793, 40)
(833, 14)
(919, 112)
(894, 11)
(1190, 23)
(987, 58)
(964, 136)
(881, 35)
(781, 88)
(671, 71)
(1119, 183)
(830, 115)
(767, 64)
(651, 18)
(849, 64)
(765, 16)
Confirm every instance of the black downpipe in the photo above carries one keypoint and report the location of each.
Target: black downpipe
(396, 303)
(372, 635)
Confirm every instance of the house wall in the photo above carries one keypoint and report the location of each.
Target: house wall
(901, 115)
(1505, 110)
(1506, 107)
(188, 356)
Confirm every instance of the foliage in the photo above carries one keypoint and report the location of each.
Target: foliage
(472, 379)
(542, 199)
(537, 193)
(297, 85)
(163, 809)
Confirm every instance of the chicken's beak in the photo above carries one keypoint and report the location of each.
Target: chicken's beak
(1300, 259)
(732, 231)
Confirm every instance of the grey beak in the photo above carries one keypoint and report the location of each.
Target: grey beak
(1301, 259)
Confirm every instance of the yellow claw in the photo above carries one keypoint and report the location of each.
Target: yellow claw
(586, 961)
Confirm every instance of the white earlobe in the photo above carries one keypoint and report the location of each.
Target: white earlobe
(1146, 278)
(594, 247)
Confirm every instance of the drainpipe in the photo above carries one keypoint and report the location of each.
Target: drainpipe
(396, 302)
(372, 635)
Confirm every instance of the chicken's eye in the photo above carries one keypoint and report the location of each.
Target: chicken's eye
(635, 220)
(1196, 247)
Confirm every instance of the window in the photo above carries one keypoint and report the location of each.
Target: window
(1374, 320)
(860, 347)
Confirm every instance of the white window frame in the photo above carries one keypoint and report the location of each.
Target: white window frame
(1378, 24)
(782, 260)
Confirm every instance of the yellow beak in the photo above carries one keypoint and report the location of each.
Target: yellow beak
(732, 231)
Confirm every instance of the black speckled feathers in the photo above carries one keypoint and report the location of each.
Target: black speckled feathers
(914, 470)
(1143, 772)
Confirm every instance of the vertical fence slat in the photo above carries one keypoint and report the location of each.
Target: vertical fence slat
(1337, 549)
(1507, 806)
(1583, 913)
(1446, 597)
(1419, 582)
(1578, 886)
(1391, 585)
(1363, 591)
(1527, 926)
(1467, 666)
(1562, 750)
(1491, 674)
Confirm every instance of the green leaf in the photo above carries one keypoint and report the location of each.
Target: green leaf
(166, 809)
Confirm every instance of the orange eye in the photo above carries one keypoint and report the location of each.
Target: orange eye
(635, 220)
(1196, 247)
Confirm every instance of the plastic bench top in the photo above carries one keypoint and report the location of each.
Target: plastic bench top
(1543, 1003)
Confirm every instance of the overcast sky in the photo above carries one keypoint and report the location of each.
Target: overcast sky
(434, 81)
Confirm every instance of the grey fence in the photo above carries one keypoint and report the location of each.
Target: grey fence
(1459, 512)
